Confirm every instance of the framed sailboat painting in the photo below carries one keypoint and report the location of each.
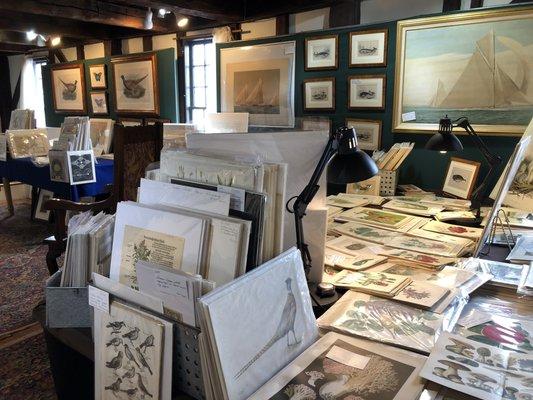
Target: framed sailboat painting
(476, 65)
(259, 80)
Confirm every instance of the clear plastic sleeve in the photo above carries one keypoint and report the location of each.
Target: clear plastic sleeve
(525, 286)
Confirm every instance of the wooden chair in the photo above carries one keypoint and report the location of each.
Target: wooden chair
(134, 148)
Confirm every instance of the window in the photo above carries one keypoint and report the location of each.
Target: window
(39, 96)
(200, 85)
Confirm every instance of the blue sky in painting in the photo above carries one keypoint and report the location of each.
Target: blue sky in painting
(462, 39)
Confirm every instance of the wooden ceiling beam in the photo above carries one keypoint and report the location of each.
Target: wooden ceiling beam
(17, 38)
(89, 11)
(16, 48)
(273, 8)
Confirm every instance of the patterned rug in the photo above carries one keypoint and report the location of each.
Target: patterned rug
(25, 371)
(23, 269)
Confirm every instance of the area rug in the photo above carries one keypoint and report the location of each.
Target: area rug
(25, 371)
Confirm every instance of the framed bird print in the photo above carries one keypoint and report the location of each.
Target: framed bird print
(136, 84)
(98, 77)
(99, 103)
(68, 88)
(461, 177)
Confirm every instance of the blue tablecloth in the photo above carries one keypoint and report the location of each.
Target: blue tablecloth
(24, 170)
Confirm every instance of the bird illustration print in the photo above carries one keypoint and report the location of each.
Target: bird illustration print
(69, 92)
(284, 328)
(143, 360)
(142, 387)
(115, 342)
(114, 387)
(130, 373)
(132, 88)
(148, 342)
(115, 363)
(116, 326)
(129, 355)
(132, 335)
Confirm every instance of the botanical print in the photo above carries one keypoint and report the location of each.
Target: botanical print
(366, 92)
(422, 294)
(423, 245)
(131, 355)
(359, 262)
(147, 245)
(68, 87)
(477, 67)
(324, 378)
(257, 92)
(506, 333)
(345, 202)
(386, 321)
(368, 48)
(455, 230)
(136, 84)
(366, 232)
(348, 245)
(504, 273)
(423, 259)
(369, 186)
(370, 281)
(381, 218)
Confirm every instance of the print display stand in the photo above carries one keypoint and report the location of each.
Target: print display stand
(186, 369)
(500, 220)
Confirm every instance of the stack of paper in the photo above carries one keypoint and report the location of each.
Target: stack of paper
(22, 119)
(27, 142)
(88, 248)
(392, 160)
(254, 326)
(418, 260)
(454, 215)
(376, 283)
(409, 207)
(174, 134)
(344, 202)
(454, 230)
(381, 219)
(355, 262)
(522, 252)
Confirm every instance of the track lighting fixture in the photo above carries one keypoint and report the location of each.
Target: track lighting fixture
(148, 23)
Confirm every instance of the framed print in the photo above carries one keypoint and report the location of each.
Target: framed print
(366, 91)
(316, 124)
(259, 80)
(369, 187)
(467, 65)
(321, 52)
(319, 94)
(461, 177)
(136, 84)
(40, 212)
(99, 103)
(368, 48)
(81, 167)
(130, 121)
(368, 132)
(68, 88)
(98, 76)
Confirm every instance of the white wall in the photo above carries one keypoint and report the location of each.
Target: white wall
(259, 29)
(309, 21)
(161, 42)
(373, 11)
(95, 50)
(70, 53)
(134, 45)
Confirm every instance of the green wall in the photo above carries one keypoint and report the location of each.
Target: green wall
(166, 71)
(422, 167)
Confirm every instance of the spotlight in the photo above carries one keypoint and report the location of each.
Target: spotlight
(55, 41)
(182, 22)
(31, 35)
(148, 23)
(162, 12)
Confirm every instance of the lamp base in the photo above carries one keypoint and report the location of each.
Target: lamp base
(321, 304)
(471, 222)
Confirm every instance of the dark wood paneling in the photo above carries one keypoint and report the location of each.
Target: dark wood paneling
(344, 13)
(147, 43)
(451, 5)
(282, 24)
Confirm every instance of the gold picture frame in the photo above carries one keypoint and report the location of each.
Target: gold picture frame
(368, 132)
(373, 99)
(316, 97)
(377, 36)
(448, 75)
(132, 95)
(327, 62)
(68, 88)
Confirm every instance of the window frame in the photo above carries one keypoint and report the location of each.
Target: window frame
(189, 105)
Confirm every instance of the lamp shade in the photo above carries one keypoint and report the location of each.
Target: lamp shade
(350, 164)
(444, 139)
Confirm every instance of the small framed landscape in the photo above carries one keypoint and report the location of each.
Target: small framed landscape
(368, 48)
(98, 76)
(321, 52)
(368, 132)
(99, 103)
(366, 91)
(319, 94)
(68, 88)
(461, 177)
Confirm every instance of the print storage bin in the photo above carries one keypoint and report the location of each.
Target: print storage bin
(389, 181)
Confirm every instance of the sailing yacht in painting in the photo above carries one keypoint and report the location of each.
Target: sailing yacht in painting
(472, 70)
(257, 92)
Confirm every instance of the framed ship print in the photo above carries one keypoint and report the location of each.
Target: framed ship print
(259, 80)
(136, 84)
(321, 52)
(366, 91)
(68, 88)
(368, 48)
(461, 177)
(368, 133)
(473, 65)
(98, 76)
(319, 94)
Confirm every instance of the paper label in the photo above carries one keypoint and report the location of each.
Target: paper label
(237, 196)
(99, 299)
(408, 116)
(346, 357)
(171, 284)
(474, 319)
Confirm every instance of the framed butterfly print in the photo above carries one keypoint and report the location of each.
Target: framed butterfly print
(98, 76)
(99, 103)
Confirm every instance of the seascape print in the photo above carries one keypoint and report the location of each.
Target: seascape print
(257, 92)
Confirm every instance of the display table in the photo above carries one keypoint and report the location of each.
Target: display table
(25, 171)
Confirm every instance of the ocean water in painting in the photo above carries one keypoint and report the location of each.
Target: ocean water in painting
(429, 115)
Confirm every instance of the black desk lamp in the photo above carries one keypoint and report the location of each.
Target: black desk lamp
(444, 140)
(347, 164)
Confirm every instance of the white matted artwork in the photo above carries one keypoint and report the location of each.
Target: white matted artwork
(368, 133)
(316, 124)
(321, 52)
(461, 177)
(366, 91)
(40, 212)
(259, 80)
(68, 88)
(370, 186)
(101, 131)
(99, 103)
(98, 76)
(368, 48)
(319, 94)
(136, 84)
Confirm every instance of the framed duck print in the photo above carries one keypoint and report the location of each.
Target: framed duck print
(368, 48)
(99, 103)
(136, 84)
(319, 94)
(366, 91)
(68, 88)
(368, 132)
(98, 76)
(321, 52)
(461, 177)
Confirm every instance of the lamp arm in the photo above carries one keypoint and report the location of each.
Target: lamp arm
(304, 198)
